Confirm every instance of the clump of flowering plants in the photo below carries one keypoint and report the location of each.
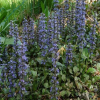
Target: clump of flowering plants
(58, 52)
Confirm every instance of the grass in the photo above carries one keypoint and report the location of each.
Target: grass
(14, 10)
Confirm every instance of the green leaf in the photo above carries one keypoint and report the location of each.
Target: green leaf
(18, 97)
(87, 6)
(39, 59)
(63, 93)
(25, 93)
(75, 69)
(68, 93)
(70, 85)
(43, 91)
(2, 39)
(34, 73)
(98, 66)
(63, 77)
(2, 24)
(85, 53)
(97, 78)
(46, 85)
(70, 70)
(76, 78)
(79, 86)
(3, 15)
(42, 6)
(6, 90)
(86, 77)
(59, 64)
(8, 40)
(91, 70)
(46, 11)
(60, 1)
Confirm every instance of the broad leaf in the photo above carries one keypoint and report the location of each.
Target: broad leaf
(75, 69)
(46, 85)
(91, 70)
(59, 64)
(34, 73)
(63, 93)
(85, 53)
(63, 77)
(98, 66)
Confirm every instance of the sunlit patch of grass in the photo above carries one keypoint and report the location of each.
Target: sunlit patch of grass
(12, 10)
(9, 2)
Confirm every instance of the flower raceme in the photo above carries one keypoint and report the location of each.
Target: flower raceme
(69, 55)
(56, 5)
(80, 22)
(92, 39)
(55, 71)
(17, 65)
(43, 39)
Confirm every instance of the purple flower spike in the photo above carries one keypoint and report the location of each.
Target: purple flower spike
(56, 3)
(43, 39)
(92, 39)
(69, 55)
(55, 71)
(80, 23)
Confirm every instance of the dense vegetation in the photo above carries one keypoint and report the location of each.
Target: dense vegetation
(49, 50)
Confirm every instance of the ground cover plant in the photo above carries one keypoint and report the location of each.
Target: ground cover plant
(55, 57)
